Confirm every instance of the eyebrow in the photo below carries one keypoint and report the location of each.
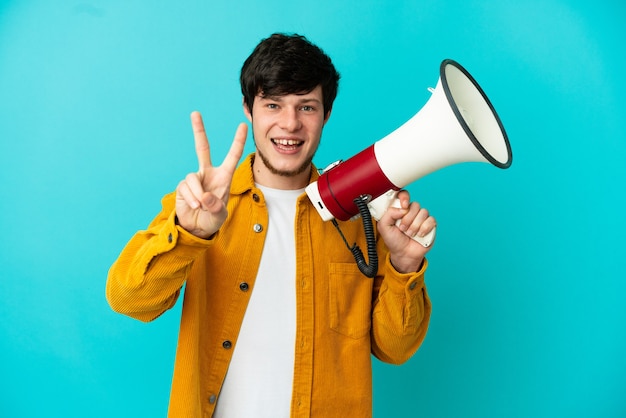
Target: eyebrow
(279, 98)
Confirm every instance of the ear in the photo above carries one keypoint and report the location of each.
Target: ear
(246, 110)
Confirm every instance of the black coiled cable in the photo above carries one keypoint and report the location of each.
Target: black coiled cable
(370, 269)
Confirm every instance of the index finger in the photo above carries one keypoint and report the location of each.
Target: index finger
(203, 151)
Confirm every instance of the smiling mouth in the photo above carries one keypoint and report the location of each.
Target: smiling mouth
(287, 144)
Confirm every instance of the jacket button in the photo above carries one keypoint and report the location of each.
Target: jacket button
(257, 227)
(227, 344)
(256, 197)
(244, 286)
(212, 398)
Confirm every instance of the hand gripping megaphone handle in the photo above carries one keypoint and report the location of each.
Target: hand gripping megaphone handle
(380, 205)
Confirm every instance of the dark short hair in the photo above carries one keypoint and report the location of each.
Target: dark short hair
(288, 64)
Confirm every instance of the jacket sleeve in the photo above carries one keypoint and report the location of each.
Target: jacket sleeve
(400, 315)
(146, 279)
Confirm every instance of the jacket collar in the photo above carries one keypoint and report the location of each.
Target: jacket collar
(243, 179)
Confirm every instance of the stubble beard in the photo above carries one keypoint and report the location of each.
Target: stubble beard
(306, 165)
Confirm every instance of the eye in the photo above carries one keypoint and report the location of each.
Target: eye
(272, 106)
(308, 108)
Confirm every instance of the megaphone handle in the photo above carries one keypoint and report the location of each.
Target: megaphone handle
(427, 239)
(379, 206)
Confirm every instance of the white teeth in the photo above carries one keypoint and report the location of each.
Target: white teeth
(290, 142)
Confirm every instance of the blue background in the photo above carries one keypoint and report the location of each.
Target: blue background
(527, 275)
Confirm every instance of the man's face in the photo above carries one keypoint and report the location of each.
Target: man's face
(287, 131)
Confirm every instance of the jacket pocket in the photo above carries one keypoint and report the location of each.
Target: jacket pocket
(350, 300)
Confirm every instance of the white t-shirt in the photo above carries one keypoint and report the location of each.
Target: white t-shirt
(260, 376)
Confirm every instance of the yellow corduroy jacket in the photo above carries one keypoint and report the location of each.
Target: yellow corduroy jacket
(342, 316)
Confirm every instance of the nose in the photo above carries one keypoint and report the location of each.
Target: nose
(290, 120)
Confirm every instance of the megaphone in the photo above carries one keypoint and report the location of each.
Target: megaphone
(457, 124)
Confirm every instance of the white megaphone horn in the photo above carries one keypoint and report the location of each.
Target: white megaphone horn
(457, 124)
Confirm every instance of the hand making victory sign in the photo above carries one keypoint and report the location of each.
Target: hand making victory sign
(201, 197)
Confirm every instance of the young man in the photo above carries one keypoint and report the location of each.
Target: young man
(277, 319)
